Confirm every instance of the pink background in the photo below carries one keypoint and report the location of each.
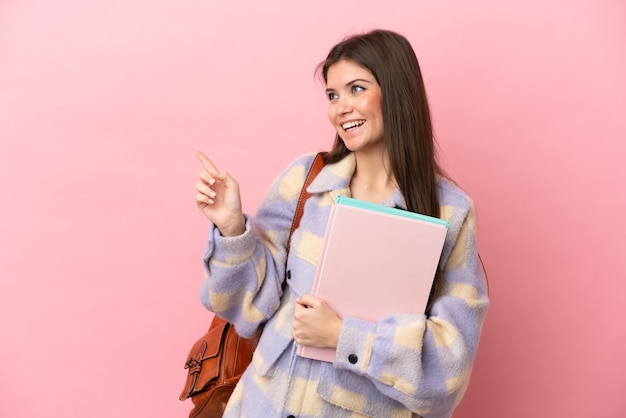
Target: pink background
(104, 103)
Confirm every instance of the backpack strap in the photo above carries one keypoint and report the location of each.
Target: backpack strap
(316, 167)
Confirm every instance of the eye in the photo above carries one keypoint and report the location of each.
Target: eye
(331, 95)
(357, 89)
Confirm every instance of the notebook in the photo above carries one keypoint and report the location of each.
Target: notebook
(375, 261)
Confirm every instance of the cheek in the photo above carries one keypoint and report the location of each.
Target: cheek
(331, 115)
(372, 106)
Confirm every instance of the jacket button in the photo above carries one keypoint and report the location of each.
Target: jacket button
(352, 358)
(289, 277)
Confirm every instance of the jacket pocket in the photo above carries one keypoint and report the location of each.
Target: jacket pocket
(357, 394)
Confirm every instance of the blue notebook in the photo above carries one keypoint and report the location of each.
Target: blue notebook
(348, 201)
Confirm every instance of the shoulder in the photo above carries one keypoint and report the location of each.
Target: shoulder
(450, 194)
(287, 185)
(457, 207)
(296, 170)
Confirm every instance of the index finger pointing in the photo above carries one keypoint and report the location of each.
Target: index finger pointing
(208, 164)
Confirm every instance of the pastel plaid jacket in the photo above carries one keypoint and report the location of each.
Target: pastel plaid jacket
(409, 365)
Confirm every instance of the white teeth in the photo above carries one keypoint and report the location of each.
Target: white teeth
(352, 124)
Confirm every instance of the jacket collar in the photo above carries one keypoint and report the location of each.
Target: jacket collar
(335, 179)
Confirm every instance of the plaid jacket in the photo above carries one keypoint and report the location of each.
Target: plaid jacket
(408, 365)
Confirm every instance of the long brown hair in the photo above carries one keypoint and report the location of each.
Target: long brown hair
(408, 133)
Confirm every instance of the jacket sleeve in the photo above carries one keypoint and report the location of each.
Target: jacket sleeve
(244, 274)
(425, 361)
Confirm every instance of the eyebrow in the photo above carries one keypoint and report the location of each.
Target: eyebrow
(349, 83)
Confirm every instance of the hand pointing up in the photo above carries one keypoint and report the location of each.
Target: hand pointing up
(219, 199)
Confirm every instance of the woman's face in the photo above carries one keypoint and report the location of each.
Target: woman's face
(355, 106)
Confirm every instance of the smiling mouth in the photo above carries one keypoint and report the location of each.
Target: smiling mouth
(351, 125)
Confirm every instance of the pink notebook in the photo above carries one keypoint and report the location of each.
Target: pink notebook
(375, 261)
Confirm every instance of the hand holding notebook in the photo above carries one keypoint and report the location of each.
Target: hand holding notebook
(375, 261)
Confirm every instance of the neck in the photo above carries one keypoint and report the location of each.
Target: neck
(372, 180)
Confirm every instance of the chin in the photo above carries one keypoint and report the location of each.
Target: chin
(351, 145)
(351, 148)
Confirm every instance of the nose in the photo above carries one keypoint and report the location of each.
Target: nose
(344, 105)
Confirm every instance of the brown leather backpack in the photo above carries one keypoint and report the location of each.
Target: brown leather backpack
(215, 363)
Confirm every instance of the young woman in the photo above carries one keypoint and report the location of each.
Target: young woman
(406, 365)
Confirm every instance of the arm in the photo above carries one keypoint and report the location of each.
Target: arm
(244, 273)
(425, 361)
